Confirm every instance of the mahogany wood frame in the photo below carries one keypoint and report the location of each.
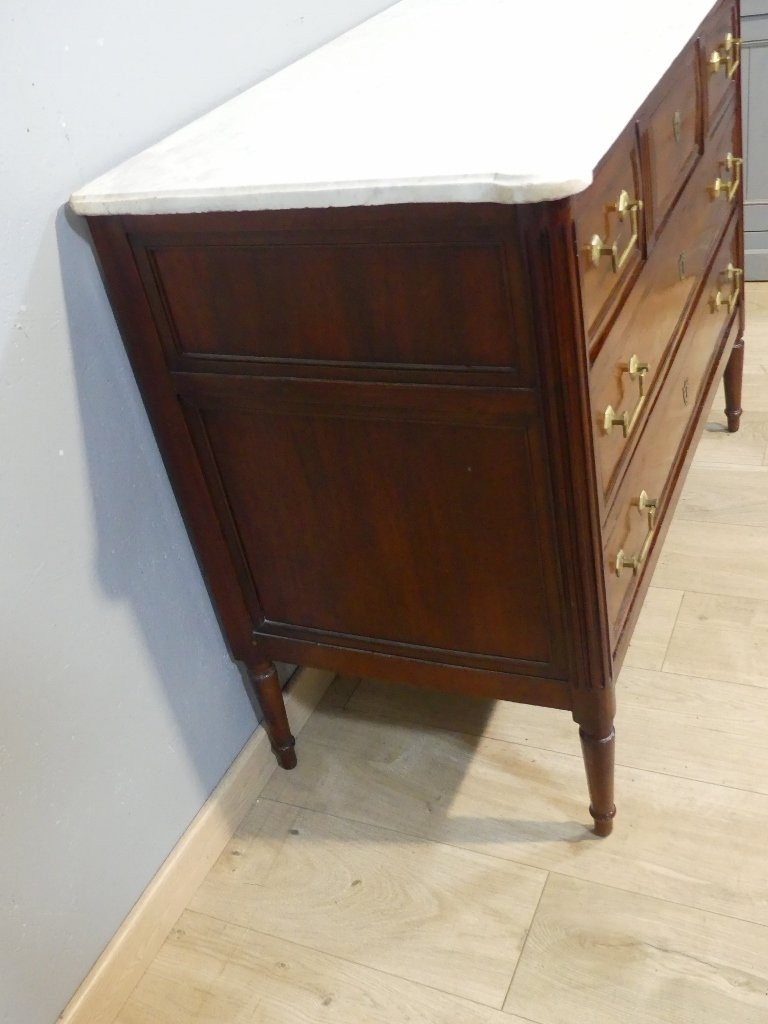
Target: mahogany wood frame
(545, 390)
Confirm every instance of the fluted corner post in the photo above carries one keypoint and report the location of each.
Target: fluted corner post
(594, 714)
(732, 378)
(263, 676)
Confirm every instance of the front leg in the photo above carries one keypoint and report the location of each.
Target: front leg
(594, 711)
(598, 754)
(263, 676)
(732, 378)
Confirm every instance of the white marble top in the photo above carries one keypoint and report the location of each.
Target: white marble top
(498, 101)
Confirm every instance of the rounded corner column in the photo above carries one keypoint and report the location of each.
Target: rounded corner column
(269, 692)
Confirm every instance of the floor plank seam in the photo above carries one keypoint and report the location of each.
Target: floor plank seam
(712, 679)
(563, 753)
(660, 586)
(345, 705)
(690, 778)
(342, 959)
(663, 899)
(671, 633)
(525, 941)
(374, 717)
(720, 522)
(589, 837)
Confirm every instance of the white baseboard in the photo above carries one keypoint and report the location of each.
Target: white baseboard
(118, 970)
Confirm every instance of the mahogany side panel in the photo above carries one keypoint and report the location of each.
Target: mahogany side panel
(433, 502)
(403, 531)
(137, 327)
(421, 292)
(435, 303)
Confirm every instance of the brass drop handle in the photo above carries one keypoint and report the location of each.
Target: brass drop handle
(644, 504)
(611, 418)
(727, 55)
(729, 187)
(598, 248)
(733, 275)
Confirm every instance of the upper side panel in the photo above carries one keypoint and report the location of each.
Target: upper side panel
(434, 304)
(408, 289)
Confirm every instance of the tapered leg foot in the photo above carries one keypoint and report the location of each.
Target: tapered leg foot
(286, 757)
(598, 754)
(270, 695)
(734, 372)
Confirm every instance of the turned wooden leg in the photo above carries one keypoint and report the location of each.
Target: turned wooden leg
(734, 371)
(598, 754)
(270, 696)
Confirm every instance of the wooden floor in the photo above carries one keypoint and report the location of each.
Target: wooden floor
(429, 860)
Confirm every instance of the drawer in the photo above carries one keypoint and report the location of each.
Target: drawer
(669, 130)
(630, 531)
(655, 309)
(723, 160)
(609, 229)
(720, 57)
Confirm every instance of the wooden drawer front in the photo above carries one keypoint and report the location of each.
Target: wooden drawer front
(597, 218)
(660, 443)
(670, 134)
(719, 58)
(656, 307)
(417, 304)
(723, 160)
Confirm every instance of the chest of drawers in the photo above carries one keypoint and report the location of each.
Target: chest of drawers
(438, 439)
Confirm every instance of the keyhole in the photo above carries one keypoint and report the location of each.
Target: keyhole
(676, 125)
(685, 391)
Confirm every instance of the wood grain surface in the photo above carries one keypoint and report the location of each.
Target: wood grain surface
(370, 896)
(213, 971)
(638, 960)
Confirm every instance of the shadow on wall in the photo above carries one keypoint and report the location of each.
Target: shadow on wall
(143, 555)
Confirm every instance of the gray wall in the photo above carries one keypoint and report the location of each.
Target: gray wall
(754, 77)
(119, 707)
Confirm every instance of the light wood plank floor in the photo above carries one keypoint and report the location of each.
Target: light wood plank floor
(429, 860)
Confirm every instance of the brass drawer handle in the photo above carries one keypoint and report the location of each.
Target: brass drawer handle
(727, 55)
(644, 504)
(611, 418)
(733, 275)
(598, 248)
(728, 188)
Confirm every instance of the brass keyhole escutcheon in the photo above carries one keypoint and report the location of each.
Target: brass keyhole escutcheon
(681, 266)
(676, 125)
(686, 395)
